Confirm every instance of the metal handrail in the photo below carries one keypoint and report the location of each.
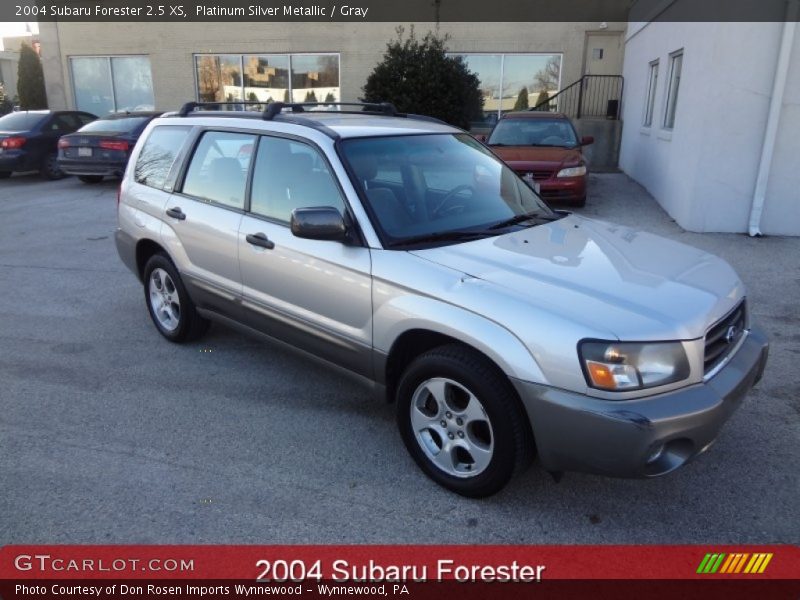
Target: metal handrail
(591, 98)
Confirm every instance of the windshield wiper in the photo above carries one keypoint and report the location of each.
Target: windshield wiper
(443, 236)
(517, 219)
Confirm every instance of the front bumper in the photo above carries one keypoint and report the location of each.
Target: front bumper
(566, 189)
(575, 432)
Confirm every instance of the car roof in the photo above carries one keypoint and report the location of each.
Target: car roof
(125, 115)
(535, 114)
(333, 123)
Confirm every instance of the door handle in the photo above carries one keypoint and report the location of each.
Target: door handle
(176, 213)
(261, 240)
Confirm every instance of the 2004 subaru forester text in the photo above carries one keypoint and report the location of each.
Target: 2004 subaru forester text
(402, 250)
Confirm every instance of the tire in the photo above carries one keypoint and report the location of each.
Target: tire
(580, 203)
(50, 169)
(90, 178)
(485, 426)
(170, 307)
(5, 174)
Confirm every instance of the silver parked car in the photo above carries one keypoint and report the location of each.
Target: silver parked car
(403, 251)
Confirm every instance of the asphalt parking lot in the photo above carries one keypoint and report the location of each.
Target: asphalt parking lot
(110, 434)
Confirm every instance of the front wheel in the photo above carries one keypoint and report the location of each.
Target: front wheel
(461, 421)
(170, 306)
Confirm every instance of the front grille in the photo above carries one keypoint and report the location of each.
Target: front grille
(723, 336)
(538, 175)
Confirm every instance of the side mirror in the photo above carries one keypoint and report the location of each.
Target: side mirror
(587, 140)
(318, 223)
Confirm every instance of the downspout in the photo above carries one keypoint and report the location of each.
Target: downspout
(776, 102)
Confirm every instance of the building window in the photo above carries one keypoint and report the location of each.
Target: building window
(675, 66)
(513, 81)
(268, 78)
(104, 84)
(650, 101)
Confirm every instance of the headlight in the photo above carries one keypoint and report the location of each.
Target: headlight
(621, 366)
(578, 171)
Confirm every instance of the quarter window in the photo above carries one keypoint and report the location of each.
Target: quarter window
(652, 84)
(157, 155)
(291, 175)
(218, 169)
(675, 67)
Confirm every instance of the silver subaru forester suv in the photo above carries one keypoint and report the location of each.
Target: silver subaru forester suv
(402, 251)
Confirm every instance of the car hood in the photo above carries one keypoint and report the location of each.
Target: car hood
(635, 284)
(521, 157)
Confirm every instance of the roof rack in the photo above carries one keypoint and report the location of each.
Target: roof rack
(275, 110)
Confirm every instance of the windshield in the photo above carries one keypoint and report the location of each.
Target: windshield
(438, 186)
(114, 125)
(534, 132)
(21, 121)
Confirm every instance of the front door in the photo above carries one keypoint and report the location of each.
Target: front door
(313, 294)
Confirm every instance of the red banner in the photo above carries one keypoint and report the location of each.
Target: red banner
(405, 571)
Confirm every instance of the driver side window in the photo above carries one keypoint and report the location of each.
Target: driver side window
(291, 175)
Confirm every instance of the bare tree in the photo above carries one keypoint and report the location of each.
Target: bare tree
(547, 77)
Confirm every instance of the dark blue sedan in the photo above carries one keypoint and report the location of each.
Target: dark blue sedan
(103, 146)
(29, 140)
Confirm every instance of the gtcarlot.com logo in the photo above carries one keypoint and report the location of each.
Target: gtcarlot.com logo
(735, 562)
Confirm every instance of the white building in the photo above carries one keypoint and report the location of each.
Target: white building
(711, 117)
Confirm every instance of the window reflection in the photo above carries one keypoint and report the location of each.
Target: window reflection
(219, 78)
(92, 81)
(268, 78)
(107, 84)
(133, 83)
(315, 78)
(513, 82)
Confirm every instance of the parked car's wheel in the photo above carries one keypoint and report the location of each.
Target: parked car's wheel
(5, 174)
(461, 421)
(90, 178)
(50, 169)
(580, 203)
(170, 306)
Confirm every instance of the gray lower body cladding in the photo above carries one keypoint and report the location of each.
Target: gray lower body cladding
(644, 437)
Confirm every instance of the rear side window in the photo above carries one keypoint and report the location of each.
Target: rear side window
(218, 170)
(157, 155)
(65, 123)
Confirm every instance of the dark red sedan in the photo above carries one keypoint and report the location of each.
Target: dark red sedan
(544, 147)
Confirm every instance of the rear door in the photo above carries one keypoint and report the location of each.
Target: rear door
(313, 294)
(202, 219)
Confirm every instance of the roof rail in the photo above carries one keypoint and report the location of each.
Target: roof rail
(375, 108)
(275, 108)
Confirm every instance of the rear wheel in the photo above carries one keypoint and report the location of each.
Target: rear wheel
(50, 169)
(90, 178)
(170, 306)
(461, 421)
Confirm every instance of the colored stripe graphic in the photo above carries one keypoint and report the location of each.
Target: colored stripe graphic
(736, 562)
